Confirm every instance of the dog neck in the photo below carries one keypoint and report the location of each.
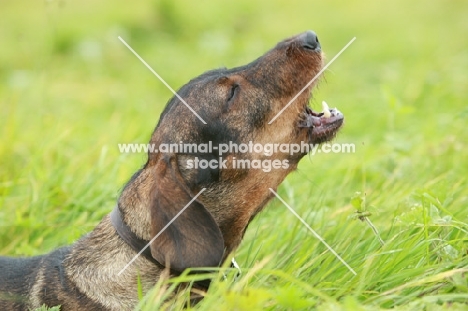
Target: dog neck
(137, 244)
(141, 246)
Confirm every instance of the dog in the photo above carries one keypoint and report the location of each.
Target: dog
(221, 200)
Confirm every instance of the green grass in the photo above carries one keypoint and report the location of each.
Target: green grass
(70, 92)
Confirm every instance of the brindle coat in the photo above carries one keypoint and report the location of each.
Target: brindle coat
(237, 105)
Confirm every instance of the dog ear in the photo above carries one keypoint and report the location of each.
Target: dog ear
(193, 239)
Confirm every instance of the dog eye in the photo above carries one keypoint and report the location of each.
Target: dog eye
(233, 92)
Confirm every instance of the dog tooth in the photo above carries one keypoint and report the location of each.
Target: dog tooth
(326, 110)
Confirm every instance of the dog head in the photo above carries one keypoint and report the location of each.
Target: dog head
(226, 107)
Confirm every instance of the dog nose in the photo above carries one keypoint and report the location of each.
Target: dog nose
(310, 40)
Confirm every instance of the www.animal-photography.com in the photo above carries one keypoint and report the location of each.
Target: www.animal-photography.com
(244, 155)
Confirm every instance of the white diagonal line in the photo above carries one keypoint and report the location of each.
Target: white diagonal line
(160, 232)
(162, 80)
(313, 79)
(314, 233)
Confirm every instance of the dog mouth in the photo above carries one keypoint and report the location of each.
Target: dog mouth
(321, 126)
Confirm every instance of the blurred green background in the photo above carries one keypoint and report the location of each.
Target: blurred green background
(70, 91)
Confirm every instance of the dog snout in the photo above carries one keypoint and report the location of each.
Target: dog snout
(310, 40)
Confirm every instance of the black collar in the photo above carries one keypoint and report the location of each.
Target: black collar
(124, 231)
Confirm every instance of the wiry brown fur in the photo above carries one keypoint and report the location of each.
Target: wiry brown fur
(237, 105)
